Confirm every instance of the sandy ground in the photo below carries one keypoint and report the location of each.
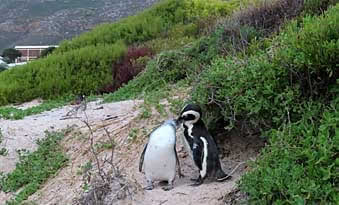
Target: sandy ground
(22, 134)
(119, 119)
(239, 151)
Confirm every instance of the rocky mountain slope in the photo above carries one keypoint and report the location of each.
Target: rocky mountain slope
(37, 22)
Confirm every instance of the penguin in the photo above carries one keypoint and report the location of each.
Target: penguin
(159, 157)
(201, 145)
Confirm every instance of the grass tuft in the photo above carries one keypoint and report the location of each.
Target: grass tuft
(34, 168)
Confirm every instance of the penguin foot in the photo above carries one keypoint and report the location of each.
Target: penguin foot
(167, 188)
(195, 179)
(198, 183)
(149, 187)
(149, 184)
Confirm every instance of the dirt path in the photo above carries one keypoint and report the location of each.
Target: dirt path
(120, 119)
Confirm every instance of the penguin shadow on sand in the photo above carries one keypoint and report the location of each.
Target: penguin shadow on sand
(159, 159)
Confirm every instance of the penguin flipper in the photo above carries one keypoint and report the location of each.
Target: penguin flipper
(197, 155)
(141, 162)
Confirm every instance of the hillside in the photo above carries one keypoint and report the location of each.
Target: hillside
(265, 74)
(47, 22)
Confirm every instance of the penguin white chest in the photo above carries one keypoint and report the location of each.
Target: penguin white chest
(160, 159)
(186, 144)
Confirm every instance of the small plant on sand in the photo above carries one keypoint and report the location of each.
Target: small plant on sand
(34, 168)
(3, 152)
(133, 134)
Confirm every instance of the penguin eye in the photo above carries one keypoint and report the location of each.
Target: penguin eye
(189, 117)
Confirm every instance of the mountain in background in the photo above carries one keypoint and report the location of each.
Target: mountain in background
(47, 22)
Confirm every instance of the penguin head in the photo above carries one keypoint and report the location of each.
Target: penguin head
(191, 114)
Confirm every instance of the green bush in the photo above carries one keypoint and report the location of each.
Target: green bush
(163, 44)
(148, 80)
(311, 54)
(300, 164)
(265, 89)
(318, 7)
(288, 90)
(80, 71)
(70, 68)
(151, 23)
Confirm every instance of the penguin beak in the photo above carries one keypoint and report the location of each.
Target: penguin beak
(176, 122)
(179, 120)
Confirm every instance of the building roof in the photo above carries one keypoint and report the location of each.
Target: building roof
(34, 47)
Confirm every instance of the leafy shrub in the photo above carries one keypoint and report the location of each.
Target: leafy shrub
(174, 65)
(311, 55)
(84, 70)
(318, 7)
(299, 166)
(264, 90)
(151, 23)
(148, 80)
(290, 90)
(235, 33)
(125, 69)
(47, 51)
(167, 43)
(269, 16)
(166, 68)
(69, 69)
(182, 30)
(215, 8)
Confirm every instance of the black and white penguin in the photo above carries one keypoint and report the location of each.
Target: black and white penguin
(201, 145)
(159, 157)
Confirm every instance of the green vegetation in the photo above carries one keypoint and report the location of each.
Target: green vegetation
(288, 90)
(47, 51)
(153, 22)
(284, 87)
(300, 165)
(74, 72)
(16, 114)
(84, 64)
(34, 168)
(271, 69)
(3, 151)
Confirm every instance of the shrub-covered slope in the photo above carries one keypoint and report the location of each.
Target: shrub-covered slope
(84, 64)
(290, 85)
(270, 70)
(284, 87)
